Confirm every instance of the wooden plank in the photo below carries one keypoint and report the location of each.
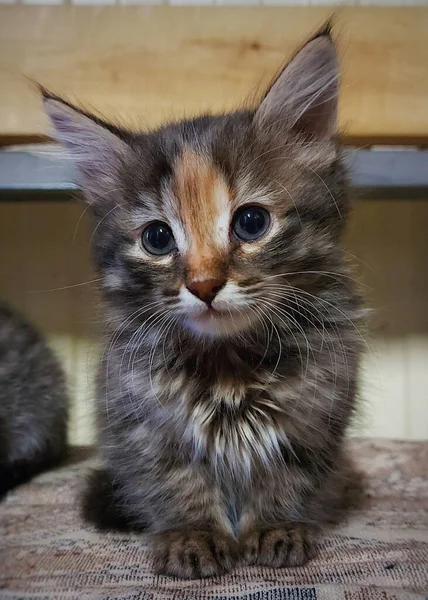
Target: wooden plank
(141, 65)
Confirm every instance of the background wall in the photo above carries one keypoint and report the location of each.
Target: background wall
(53, 283)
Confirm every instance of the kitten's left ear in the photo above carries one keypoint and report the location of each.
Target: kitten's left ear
(304, 95)
(98, 148)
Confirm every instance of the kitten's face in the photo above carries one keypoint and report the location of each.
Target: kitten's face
(205, 238)
(199, 221)
(198, 240)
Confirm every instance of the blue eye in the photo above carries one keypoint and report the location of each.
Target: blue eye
(157, 238)
(250, 223)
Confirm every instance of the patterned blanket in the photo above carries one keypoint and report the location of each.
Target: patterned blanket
(380, 553)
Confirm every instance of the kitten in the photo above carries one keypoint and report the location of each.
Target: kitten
(228, 379)
(33, 403)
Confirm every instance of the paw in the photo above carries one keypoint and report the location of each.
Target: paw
(282, 546)
(194, 554)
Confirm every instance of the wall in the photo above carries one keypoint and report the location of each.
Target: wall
(45, 271)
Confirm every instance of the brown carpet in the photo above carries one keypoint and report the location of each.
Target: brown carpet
(381, 553)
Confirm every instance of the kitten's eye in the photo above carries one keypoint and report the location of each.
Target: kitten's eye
(250, 223)
(157, 238)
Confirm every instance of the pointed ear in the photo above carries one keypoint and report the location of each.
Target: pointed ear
(305, 94)
(97, 147)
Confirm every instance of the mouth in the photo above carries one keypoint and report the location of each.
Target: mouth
(215, 323)
(209, 315)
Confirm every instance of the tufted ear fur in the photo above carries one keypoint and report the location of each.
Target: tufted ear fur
(304, 95)
(98, 148)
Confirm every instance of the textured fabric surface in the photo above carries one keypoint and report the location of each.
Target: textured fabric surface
(380, 553)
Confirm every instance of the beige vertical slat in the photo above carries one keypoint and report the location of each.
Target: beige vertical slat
(390, 237)
(417, 370)
(417, 338)
(85, 366)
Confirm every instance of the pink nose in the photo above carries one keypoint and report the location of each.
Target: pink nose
(206, 290)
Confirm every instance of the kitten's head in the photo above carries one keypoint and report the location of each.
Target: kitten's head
(201, 222)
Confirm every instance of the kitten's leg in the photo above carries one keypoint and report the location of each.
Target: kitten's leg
(276, 524)
(191, 551)
(192, 535)
(195, 553)
(280, 524)
(282, 545)
(281, 521)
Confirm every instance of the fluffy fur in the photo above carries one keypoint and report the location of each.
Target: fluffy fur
(33, 403)
(222, 426)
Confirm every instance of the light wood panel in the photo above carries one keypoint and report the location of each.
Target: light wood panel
(145, 64)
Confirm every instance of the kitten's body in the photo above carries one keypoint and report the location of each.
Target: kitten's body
(228, 379)
(33, 403)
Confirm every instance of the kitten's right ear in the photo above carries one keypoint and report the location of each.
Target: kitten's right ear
(304, 96)
(96, 146)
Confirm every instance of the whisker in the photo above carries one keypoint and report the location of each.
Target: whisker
(331, 274)
(322, 181)
(355, 257)
(161, 328)
(331, 347)
(280, 311)
(156, 318)
(272, 375)
(115, 337)
(343, 314)
(88, 207)
(172, 323)
(115, 207)
(66, 287)
(291, 198)
(268, 333)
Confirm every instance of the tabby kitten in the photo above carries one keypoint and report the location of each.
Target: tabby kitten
(228, 378)
(33, 403)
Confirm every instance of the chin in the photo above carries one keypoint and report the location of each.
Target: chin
(215, 325)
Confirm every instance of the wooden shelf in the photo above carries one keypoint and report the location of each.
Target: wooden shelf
(142, 65)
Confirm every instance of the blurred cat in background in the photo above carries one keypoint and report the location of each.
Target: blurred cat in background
(33, 403)
(232, 341)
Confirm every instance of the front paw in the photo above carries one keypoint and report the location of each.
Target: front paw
(281, 546)
(193, 554)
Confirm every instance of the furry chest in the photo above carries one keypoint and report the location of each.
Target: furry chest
(230, 425)
(236, 431)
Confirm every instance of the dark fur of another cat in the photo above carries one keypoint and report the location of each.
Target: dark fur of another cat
(232, 343)
(33, 403)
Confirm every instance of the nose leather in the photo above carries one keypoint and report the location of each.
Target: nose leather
(206, 290)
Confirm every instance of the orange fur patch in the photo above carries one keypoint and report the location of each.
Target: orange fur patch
(204, 204)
